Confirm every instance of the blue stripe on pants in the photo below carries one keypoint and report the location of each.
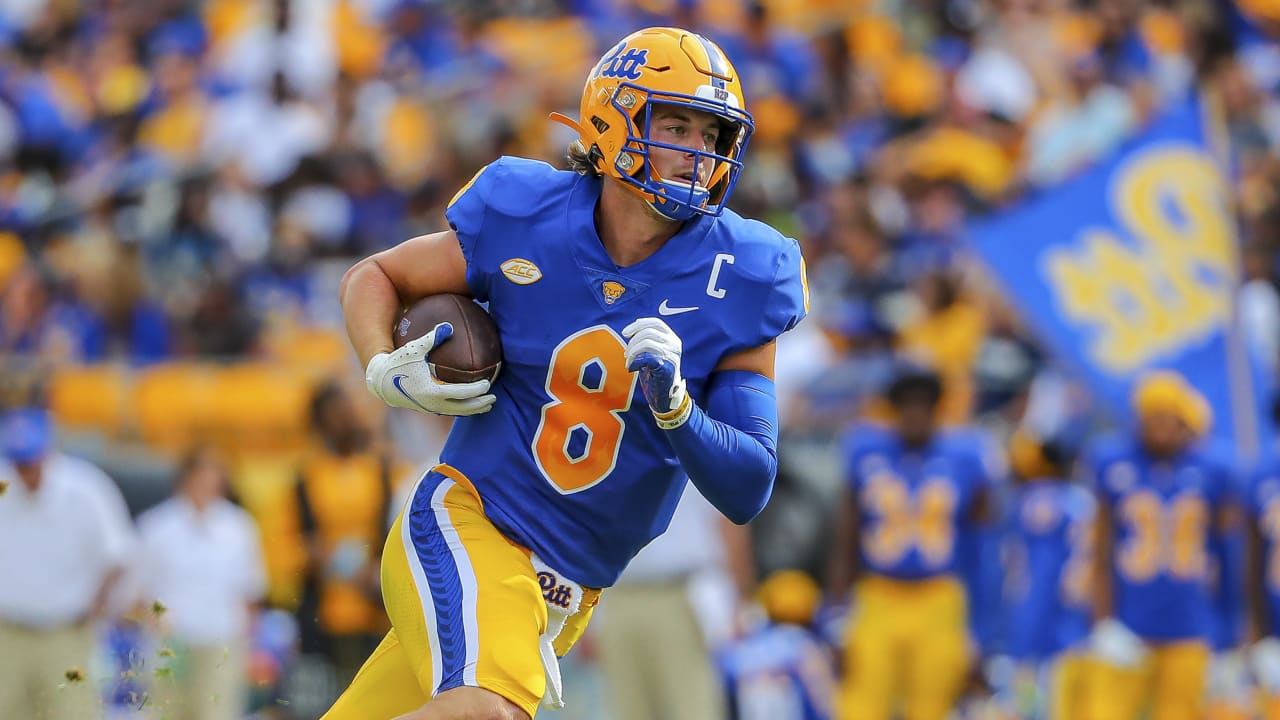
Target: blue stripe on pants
(441, 571)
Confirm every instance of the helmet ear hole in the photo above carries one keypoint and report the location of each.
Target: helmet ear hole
(595, 156)
(599, 123)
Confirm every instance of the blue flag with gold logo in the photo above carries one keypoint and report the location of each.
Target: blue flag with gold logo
(1134, 266)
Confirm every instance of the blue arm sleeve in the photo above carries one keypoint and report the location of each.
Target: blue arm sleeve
(1228, 593)
(732, 460)
(978, 565)
(1029, 619)
(1227, 547)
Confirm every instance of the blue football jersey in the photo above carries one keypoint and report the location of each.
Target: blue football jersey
(1163, 515)
(778, 672)
(914, 503)
(1262, 503)
(1051, 600)
(569, 462)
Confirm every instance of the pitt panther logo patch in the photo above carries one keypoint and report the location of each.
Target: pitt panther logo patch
(612, 291)
(623, 63)
(553, 591)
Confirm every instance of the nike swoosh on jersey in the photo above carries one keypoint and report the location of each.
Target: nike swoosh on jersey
(665, 309)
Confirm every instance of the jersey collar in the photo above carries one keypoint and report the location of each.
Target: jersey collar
(669, 259)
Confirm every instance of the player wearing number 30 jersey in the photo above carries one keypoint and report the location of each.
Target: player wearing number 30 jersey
(637, 317)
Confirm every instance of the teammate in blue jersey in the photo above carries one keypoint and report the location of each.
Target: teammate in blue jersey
(1050, 601)
(1161, 502)
(637, 316)
(905, 540)
(780, 669)
(1262, 506)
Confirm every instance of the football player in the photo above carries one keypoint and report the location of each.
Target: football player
(916, 501)
(1162, 507)
(1262, 505)
(781, 669)
(1051, 607)
(637, 316)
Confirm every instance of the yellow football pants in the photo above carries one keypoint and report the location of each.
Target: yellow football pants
(1170, 683)
(1069, 691)
(1269, 706)
(465, 609)
(906, 650)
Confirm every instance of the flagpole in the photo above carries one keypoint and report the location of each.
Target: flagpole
(1239, 369)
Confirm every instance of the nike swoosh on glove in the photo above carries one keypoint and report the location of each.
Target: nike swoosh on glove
(404, 378)
(653, 351)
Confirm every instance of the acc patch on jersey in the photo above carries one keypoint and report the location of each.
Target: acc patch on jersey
(521, 271)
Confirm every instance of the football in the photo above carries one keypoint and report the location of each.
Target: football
(474, 352)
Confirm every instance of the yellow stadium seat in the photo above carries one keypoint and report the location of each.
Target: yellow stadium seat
(552, 51)
(90, 397)
(174, 403)
(260, 406)
(313, 351)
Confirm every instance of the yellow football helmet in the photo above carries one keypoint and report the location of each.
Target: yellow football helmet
(663, 66)
(1168, 391)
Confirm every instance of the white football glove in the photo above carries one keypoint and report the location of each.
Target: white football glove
(653, 350)
(1264, 661)
(1117, 645)
(404, 378)
(1228, 682)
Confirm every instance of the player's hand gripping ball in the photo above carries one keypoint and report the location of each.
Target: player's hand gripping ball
(427, 374)
(653, 351)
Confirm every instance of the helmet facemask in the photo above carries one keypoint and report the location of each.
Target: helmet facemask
(676, 198)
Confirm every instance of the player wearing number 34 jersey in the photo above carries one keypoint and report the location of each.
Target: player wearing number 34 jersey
(1163, 506)
(637, 317)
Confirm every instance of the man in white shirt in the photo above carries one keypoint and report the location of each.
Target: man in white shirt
(65, 537)
(203, 563)
(676, 602)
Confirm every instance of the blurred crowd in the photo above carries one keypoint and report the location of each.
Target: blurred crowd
(183, 180)
(176, 174)
(183, 183)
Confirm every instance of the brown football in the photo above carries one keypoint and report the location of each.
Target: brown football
(473, 352)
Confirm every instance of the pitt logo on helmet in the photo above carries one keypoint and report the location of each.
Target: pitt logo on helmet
(625, 65)
(612, 291)
(521, 271)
